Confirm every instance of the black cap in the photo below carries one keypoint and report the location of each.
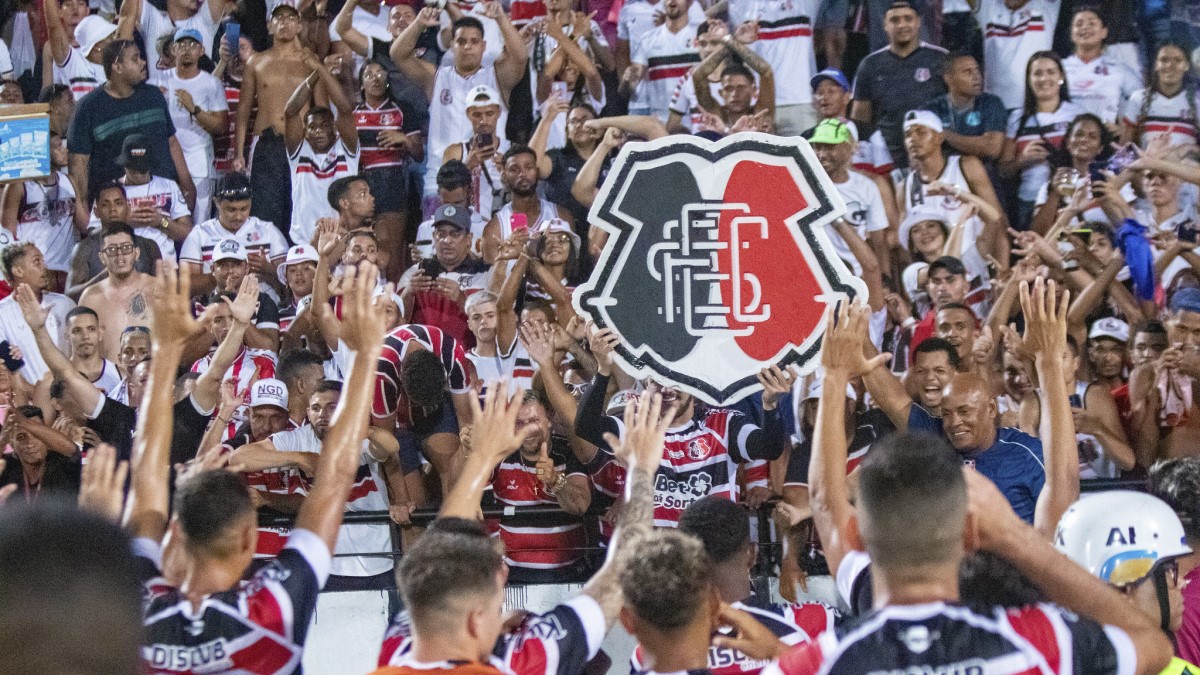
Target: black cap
(950, 264)
(457, 216)
(233, 187)
(135, 153)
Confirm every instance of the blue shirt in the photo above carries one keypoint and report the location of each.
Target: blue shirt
(1014, 462)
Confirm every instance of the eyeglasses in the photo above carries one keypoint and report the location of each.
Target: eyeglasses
(558, 238)
(117, 249)
(374, 75)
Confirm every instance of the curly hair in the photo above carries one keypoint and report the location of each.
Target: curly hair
(666, 579)
(1177, 482)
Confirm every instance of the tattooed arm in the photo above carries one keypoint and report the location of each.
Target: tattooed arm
(641, 451)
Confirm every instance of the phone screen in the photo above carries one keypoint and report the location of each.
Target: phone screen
(519, 221)
(233, 34)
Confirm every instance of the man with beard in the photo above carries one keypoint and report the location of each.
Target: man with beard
(122, 297)
(436, 289)
(831, 100)
(542, 471)
(483, 151)
(660, 58)
(84, 334)
(124, 106)
(741, 97)
(521, 178)
(833, 142)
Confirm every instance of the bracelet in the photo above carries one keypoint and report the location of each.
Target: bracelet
(909, 322)
(559, 484)
(222, 420)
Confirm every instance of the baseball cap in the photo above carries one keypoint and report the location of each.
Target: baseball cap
(1110, 327)
(482, 96)
(831, 132)
(135, 153)
(185, 33)
(913, 284)
(457, 216)
(1186, 300)
(296, 254)
(616, 404)
(91, 31)
(388, 289)
(922, 118)
(234, 187)
(560, 225)
(921, 214)
(838, 77)
(269, 392)
(229, 249)
(815, 384)
(282, 8)
(950, 264)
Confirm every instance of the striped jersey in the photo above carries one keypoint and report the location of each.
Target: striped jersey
(284, 481)
(81, 75)
(1049, 127)
(559, 642)
(223, 150)
(389, 394)
(258, 626)
(667, 57)
(312, 174)
(552, 543)
(248, 366)
(793, 624)
(1174, 115)
(785, 41)
(1010, 37)
(514, 364)
(370, 122)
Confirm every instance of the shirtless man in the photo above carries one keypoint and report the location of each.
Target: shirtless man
(120, 299)
(269, 79)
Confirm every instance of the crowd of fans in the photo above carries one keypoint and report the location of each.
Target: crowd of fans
(293, 259)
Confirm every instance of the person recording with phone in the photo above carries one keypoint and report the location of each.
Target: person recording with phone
(435, 289)
(483, 151)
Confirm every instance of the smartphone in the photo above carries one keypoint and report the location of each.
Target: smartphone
(1122, 158)
(1096, 173)
(233, 34)
(484, 140)
(519, 221)
(13, 365)
(1186, 232)
(430, 267)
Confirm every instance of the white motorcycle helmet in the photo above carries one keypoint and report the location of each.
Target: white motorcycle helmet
(1120, 536)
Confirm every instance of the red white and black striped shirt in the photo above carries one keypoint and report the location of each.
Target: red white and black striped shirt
(389, 393)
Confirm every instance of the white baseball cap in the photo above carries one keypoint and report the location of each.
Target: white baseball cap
(296, 254)
(616, 404)
(229, 249)
(483, 96)
(922, 118)
(1110, 327)
(815, 384)
(269, 392)
(913, 284)
(920, 214)
(91, 31)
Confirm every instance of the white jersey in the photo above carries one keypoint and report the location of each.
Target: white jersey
(46, 219)
(1100, 86)
(424, 241)
(81, 75)
(505, 214)
(312, 174)
(258, 236)
(155, 23)
(684, 103)
(916, 195)
(864, 212)
(448, 123)
(15, 330)
(1174, 115)
(163, 194)
(667, 57)
(109, 378)
(487, 184)
(1010, 37)
(514, 364)
(1048, 127)
(637, 18)
(208, 94)
(492, 37)
(785, 41)
(367, 494)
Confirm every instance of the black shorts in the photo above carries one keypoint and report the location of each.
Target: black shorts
(271, 182)
(442, 420)
(389, 186)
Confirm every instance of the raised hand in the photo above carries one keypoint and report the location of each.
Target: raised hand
(429, 17)
(747, 33)
(1045, 318)
(749, 635)
(102, 485)
(546, 471)
(537, 344)
(494, 433)
(602, 343)
(776, 382)
(245, 305)
(364, 321)
(171, 322)
(645, 429)
(845, 334)
(329, 240)
(35, 315)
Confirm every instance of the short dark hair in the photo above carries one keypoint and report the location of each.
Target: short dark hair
(53, 93)
(666, 579)
(339, 188)
(453, 559)
(467, 22)
(118, 228)
(423, 377)
(517, 150)
(453, 175)
(1177, 482)
(214, 298)
(208, 504)
(31, 412)
(319, 110)
(1151, 326)
(293, 362)
(113, 52)
(912, 501)
(11, 256)
(326, 386)
(936, 344)
(81, 310)
(362, 232)
(723, 526)
(987, 581)
(105, 186)
(737, 69)
(956, 55)
(70, 601)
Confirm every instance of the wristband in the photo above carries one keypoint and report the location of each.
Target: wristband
(909, 323)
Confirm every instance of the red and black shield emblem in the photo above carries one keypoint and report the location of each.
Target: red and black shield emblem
(717, 262)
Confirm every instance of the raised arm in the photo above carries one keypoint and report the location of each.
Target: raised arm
(207, 392)
(171, 326)
(56, 33)
(766, 76)
(364, 325)
(1046, 337)
(344, 25)
(404, 47)
(293, 124)
(586, 181)
(842, 359)
(551, 109)
(82, 392)
(510, 65)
